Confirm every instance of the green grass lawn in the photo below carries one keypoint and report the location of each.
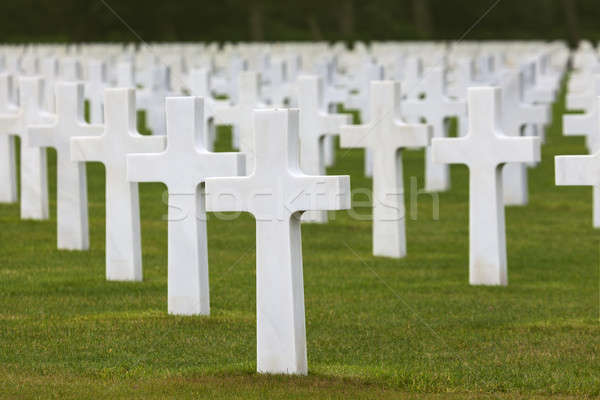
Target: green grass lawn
(376, 327)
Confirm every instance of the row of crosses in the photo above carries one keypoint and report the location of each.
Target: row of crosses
(277, 177)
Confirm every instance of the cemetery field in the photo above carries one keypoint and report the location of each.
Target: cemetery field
(376, 327)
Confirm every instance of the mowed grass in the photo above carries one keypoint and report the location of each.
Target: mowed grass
(376, 327)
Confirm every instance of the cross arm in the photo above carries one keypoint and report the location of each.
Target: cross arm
(331, 123)
(518, 149)
(90, 129)
(84, 148)
(355, 135)
(577, 124)
(450, 150)
(412, 108)
(42, 135)
(216, 105)
(147, 167)
(577, 170)
(577, 101)
(412, 135)
(10, 124)
(148, 144)
(535, 114)
(322, 193)
(223, 164)
(455, 107)
(227, 115)
(228, 194)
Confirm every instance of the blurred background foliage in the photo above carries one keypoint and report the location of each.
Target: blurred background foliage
(244, 20)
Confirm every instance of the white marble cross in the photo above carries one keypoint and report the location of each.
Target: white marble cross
(199, 86)
(97, 81)
(120, 137)
(581, 171)
(276, 194)
(463, 79)
(229, 84)
(334, 94)
(315, 124)
(49, 71)
(71, 187)
(385, 135)
(277, 91)
(237, 65)
(585, 124)
(182, 167)
(532, 93)
(436, 108)
(152, 98)
(34, 166)
(516, 114)
(411, 78)
(370, 71)
(240, 115)
(485, 150)
(9, 117)
(588, 124)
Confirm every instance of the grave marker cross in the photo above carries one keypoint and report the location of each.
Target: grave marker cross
(277, 193)
(516, 113)
(34, 168)
(485, 149)
(182, 167)
(123, 247)
(583, 170)
(315, 124)
(240, 115)
(385, 135)
(71, 187)
(94, 89)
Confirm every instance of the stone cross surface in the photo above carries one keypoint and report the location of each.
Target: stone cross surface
(371, 71)
(582, 170)
(485, 149)
(182, 167)
(71, 187)
(94, 89)
(585, 124)
(49, 71)
(436, 108)
(385, 135)
(152, 98)
(277, 193)
(123, 247)
(240, 115)
(9, 117)
(34, 168)
(200, 86)
(315, 123)
(516, 114)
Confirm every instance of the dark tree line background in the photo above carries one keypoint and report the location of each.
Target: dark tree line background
(244, 20)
